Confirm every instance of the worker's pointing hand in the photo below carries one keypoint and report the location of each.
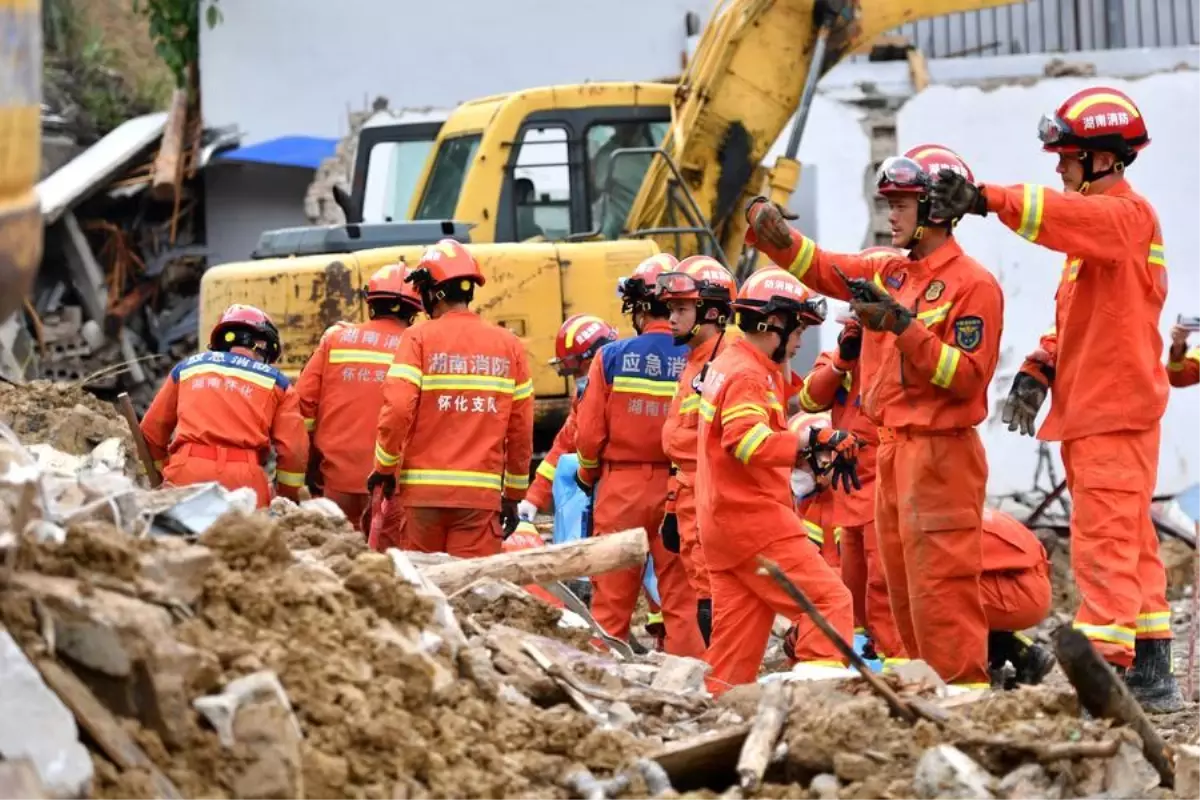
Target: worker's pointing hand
(953, 196)
(769, 221)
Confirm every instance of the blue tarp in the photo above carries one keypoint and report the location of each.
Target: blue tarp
(570, 507)
(286, 151)
(1189, 501)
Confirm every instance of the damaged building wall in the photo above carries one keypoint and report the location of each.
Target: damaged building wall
(995, 132)
(243, 200)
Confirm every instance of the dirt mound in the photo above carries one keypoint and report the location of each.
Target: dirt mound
(60, 415)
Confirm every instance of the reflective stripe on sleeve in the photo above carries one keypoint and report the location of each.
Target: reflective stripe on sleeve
(384, 457)
(1031, 212)
(406, 372)
(947, 365)
(751, 442)
(293, 479)
(804, 258)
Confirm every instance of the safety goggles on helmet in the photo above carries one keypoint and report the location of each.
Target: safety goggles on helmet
(633, 288)
(807, 312)
(901, 172)
(670, 283)
(1053, 131)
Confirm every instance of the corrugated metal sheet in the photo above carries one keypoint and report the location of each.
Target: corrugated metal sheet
(92, 168)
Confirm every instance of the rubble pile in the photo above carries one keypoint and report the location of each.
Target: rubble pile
(178, 643)
(60, 415)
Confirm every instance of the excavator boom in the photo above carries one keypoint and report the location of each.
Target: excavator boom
(739, 92)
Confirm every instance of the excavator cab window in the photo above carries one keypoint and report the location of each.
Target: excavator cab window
(450, 167)
(542, 184)
(614, 184)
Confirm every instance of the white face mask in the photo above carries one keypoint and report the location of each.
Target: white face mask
(802, 483)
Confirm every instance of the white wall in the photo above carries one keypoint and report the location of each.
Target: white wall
(995, 131)
(282, 67)
(243, 200)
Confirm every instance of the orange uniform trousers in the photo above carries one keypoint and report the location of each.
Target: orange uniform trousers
(352, 505)
(745, 604)
(461, 532)
(929, 494)
(690, 551)
(1114, 547)
(230, 467)
(1015, 599)
(862, 572)
(383, 522)
(634, 496)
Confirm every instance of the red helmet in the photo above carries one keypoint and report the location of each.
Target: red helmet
(392, 283)
(638, 291)
(916, 170)
(249, 327)
(579, 339)
(446, 261)
(697, 278)
(773, 290)
(1097, 119)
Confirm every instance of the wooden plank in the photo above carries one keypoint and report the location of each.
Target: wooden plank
(169, 161)
(101, 725)
(705, 761)
(768, 724)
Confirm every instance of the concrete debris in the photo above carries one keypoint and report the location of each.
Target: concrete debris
(207, 648)
(947, 772)
(1059, 68)
(35, 725)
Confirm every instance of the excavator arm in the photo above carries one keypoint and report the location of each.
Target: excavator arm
(744, 84)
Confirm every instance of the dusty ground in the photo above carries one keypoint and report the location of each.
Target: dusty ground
(64, 417)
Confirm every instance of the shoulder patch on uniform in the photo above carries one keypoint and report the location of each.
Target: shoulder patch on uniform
(896, 279)
(968, 333)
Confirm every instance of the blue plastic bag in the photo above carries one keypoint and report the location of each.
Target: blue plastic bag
(571, 510)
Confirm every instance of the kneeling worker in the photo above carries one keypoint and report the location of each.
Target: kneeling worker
(227, 408)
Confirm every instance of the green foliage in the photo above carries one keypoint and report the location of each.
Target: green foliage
(175, 30)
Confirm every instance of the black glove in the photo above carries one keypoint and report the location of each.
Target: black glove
(884, 313)
(312, 476)
(850, 341)
(669, 531)
(583, 485)
(1024, 400)
(508, 516)
(385, 482)
(843, 446)
(953, 196)
(769, 222)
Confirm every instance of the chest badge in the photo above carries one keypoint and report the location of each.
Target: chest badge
(934, 291)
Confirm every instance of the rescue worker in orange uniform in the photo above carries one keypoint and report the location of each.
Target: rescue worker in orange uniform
(814, 504)
(698, 295)
(456, 427)
(836, 383)
(1107, 382)
(578, 341)
(932, 333)
(1015, 589)
(220, 413)
(621, 459)
(1183, 365)
(744, 488)
(341, 389)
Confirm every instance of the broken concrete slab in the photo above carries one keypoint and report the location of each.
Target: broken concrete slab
(1187, 770)
(323, 506)
(35, 724)
(825, 786)
(947, 773)
(681, 675)
(177, 569)
(1026, 782)
(1129, 774)
(221, 709)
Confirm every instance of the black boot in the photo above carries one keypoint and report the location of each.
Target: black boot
(704, 618)
(1032, 663)
(1152, 679)
(1002, 648)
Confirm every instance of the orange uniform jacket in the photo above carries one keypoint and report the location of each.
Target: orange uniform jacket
(564, 442)
(680, 431)
(936, 374)
(1109, 373)
(456, 426)
(218, 399)
(630, 388)
(1187, 371)
(841, 393)
(341, 391)
(746, 456)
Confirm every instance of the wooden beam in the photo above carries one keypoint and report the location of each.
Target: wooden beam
(592, 556)
(168, 164)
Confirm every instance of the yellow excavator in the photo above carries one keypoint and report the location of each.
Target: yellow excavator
(20, 149)
(561, 190)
